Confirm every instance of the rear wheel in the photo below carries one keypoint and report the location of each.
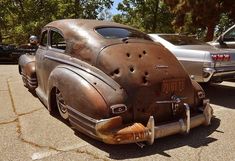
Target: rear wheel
(62, 107)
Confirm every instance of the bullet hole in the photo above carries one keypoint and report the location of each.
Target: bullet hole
(146, 73)
(132, 69)
(144, 52)
(144, 79)
(116, 71)
(128, 55)
(95, 83)
(140, 56)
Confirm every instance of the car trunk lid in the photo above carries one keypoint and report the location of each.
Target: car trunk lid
(149, 74)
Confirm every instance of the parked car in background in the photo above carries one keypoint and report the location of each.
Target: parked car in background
(11, 53)
(113, 83)
(226, 40)
(7, 53)
(203, 62)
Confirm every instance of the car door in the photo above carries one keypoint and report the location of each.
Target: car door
(55, 55)
(42, 50)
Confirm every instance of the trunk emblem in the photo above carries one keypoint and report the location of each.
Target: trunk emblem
(161, 66)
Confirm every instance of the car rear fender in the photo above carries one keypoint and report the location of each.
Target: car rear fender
(24, 60)
(84, 92)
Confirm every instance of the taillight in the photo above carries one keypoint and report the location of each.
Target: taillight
(220, 57)
(226, 57)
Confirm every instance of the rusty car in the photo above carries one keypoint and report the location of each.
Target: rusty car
(203, 62)
(113, 83)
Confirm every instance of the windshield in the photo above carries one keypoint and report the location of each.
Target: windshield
(182, 40)
(117, 32)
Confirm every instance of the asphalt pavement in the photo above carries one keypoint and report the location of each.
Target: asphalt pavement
(28, 132)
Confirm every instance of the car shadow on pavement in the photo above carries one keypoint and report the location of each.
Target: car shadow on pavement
(221, 95)
(197, 138)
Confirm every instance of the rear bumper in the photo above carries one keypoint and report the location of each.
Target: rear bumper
(223, 75)
(112, 130)
(217, 75)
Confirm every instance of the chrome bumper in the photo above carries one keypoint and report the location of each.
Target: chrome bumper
(109, 130)
(29, 82)
(222, 74)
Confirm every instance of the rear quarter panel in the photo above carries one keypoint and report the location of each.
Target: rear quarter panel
(84, 92)
(193, 62)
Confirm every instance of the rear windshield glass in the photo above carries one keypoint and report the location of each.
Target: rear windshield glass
(182, 40)
(117, 32)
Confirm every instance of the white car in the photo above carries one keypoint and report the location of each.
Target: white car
(226, 40)
(203, 62)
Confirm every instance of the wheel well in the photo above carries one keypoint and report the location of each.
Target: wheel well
(52, 102)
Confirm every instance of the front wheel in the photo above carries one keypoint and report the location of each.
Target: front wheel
(62, 107)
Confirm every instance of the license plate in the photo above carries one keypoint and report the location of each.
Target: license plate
(173, 85)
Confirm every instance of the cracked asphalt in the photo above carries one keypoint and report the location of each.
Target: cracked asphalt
(28, 132)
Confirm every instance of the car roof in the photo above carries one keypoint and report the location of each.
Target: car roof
(71, 25)
(78, 29)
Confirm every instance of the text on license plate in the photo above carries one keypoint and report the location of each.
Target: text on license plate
(173, 85)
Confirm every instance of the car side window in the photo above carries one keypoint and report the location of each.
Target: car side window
(43, 41)
(230, 35)
(57, 41)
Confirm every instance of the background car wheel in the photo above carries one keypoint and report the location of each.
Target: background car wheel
(62, 107)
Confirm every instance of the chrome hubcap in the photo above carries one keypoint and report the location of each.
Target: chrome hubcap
(60, 102)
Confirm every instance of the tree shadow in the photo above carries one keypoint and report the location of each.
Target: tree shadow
(220, 94)
(197, 138)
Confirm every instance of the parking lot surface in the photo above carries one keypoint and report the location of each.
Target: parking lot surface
(28, 132)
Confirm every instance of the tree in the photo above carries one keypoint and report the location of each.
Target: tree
(149, 15)
(224, 23)
(4, 16)
(105, 15)
(21, 18)
(203, 14)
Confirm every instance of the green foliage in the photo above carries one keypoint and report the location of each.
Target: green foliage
(224, 23)
(21, 18)
(204, 15)
(149, 15)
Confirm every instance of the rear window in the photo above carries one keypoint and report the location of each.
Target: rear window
(117, 33)
(182, 40)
